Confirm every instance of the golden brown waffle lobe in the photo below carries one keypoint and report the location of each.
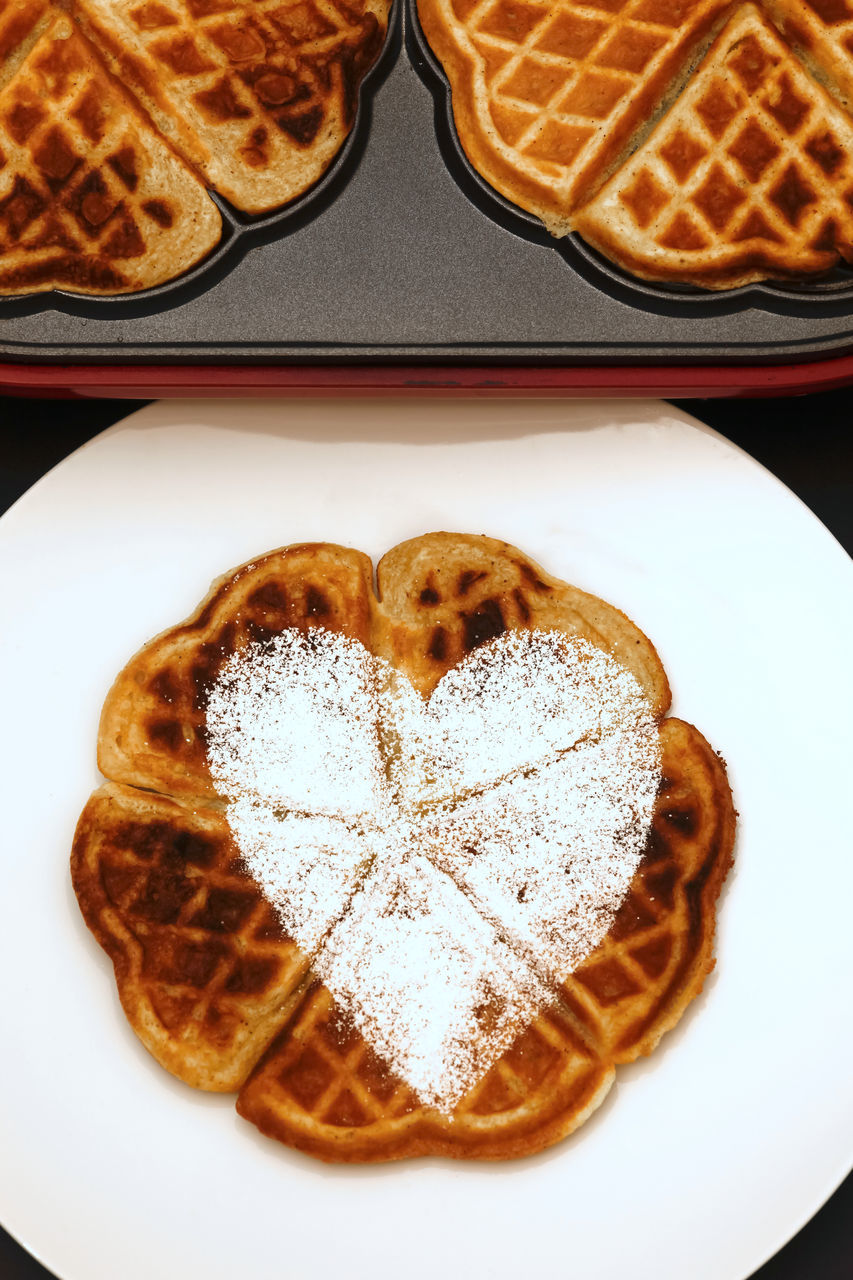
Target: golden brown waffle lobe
(749, 175)
(746, 174)
(91, 199)
(259, 96)
(109, 113)
(204, 971)
(547, 95)
(321, 1089)
(205, 976)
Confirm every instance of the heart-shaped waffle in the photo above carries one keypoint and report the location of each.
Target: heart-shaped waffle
(208, 975)
(696, 142)
(116, 115)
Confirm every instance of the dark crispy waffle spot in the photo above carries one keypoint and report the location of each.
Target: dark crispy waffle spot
(466, 580)
(56, 158)
(825, 152)
(123, 165)
(827, 238)
(121, 884)
(607, 981)
(531, 1057)
(165, 732)
(164, 686)
(165, 895)
(718, 198)
(792, 195)
(532, 578)
(124, 241)
(831, 11)
(756, 227)
(270, 928)
(653, 957)
(90, 114)
(161, 842)
(302, 127)
(158, 211)
(484, 624)
(438, 644)
(21, 206)
(316, 603)
(685, 821)
(182, 55)
(346, 1111)
(338, 1033)
(753, 149)
(181, 961)
(211, 655)
(225, 910)
(252, 975)
(73, 272)
(220, 103)
(634, 916)
(429, 595)
(375, 1076)
(660, 886)
(23, 118)
(786, 106)
(307, 1079)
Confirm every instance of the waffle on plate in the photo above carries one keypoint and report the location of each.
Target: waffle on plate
(690, 141)
(208, 975)
(116, 116)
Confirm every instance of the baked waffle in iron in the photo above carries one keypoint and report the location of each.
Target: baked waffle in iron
(116, 115)
(91, 198)
(206, 973)
(693, 142)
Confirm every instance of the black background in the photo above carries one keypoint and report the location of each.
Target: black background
(806, 441)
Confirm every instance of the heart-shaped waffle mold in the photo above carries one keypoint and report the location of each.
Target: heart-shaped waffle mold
(690, 142)
(210, 978)
(117, 115)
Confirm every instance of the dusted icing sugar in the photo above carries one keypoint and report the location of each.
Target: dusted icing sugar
(445, 862)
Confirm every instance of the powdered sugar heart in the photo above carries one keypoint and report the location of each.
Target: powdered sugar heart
(444, 862)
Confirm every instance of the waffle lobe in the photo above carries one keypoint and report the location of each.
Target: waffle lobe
(226, 1001)
(117, 115)
(689, 141)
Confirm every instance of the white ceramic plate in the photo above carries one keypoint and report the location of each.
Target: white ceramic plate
(706, 1157)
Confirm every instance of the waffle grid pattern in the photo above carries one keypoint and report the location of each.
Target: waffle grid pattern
(80, 190)
(200, 955)
(321, 1089)
(205, 975)
(750, 154)
(555, 84)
